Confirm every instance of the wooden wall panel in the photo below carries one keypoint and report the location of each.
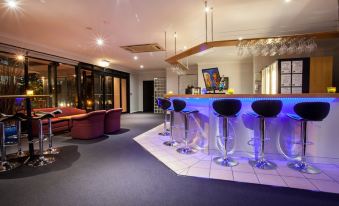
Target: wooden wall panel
(124, 95)
(321, 71)
(116, 92)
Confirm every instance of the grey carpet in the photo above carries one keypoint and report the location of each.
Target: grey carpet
(116, 170)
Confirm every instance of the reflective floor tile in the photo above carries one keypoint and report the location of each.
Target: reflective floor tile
(221, 174)
(245, 177)
(300, 183)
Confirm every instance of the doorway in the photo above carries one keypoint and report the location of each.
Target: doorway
(148, 96)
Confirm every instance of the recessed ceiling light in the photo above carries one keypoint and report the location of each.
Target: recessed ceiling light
(13, 4)
(141, 66)
(100, 42)
(20, 57)
(104, 63)
(287, 1)
(135, 57)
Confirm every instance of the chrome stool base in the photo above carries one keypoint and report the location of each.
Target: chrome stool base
(52, 151)
(186, 150)
(304, 167)
(164, 133)
(170, 143)
(263, 164)
(41, 161)
(226, 162)
(7, 166)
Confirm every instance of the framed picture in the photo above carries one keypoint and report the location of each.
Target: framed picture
(211, 78)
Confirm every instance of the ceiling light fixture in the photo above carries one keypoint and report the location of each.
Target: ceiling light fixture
(287, 1)
(20, 57)
(104, 63)
(13, 4)
(135, 57)
(100, 42)
(141, 66)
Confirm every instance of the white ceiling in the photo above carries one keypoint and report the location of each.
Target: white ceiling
(59, 26)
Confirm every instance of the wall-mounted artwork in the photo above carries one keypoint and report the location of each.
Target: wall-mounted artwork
(211, 78)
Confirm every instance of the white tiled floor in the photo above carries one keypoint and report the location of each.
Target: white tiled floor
(202, 165)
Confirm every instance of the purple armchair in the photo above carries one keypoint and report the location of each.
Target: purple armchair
(112, 120)
(88, 126)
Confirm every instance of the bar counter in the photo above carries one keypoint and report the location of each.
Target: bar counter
(308, 95)
(283, 133)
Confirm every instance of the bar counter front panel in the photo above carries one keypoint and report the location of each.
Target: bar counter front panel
(283, 133)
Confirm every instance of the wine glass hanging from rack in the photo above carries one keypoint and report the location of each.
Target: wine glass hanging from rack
(277, 46)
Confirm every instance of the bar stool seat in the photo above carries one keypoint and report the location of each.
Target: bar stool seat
(225, 109)
(180, 107)
(305, 112)
(264, 109)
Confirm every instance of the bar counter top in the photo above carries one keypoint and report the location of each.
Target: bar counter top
(304, 95)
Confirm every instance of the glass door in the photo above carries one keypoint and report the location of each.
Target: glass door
(86, 89)
(98, 92)
(66, 86)
(109, 92)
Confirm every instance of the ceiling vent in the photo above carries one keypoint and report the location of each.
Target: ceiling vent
(143, 48)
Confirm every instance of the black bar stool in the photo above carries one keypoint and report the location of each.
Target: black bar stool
(307, 111)
(180, 107)
(43, 160)
(6, 165)
(225, 109)
(165, 105)
(264, 109)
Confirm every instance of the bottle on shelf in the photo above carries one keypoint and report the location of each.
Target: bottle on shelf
(222, 84)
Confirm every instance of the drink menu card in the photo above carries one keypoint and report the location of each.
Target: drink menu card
(285, 80)
(297, 67)
(285, 90)
(297, 80)
(297, 90)
(286, 67)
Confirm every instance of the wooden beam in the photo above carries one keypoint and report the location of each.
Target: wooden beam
(234, 42)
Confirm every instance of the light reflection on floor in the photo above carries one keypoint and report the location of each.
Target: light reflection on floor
(201, 165)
